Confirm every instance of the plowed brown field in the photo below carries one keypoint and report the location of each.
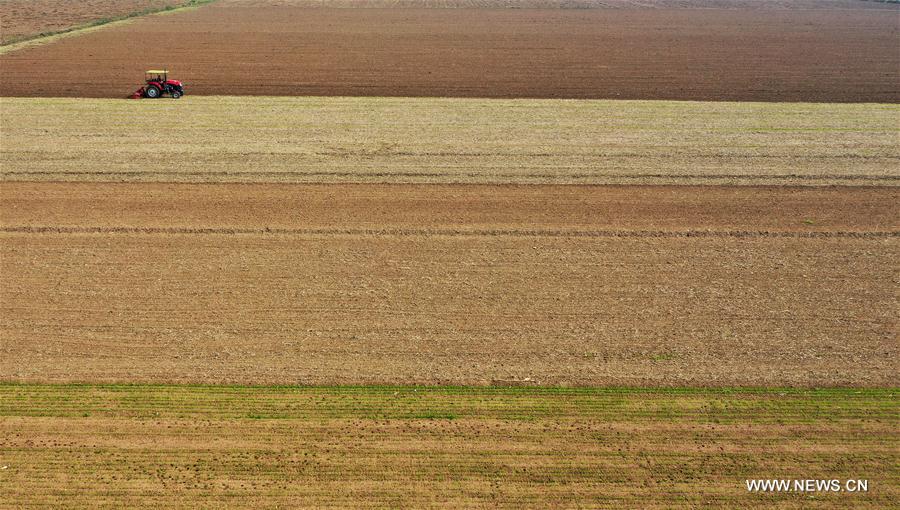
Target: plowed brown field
(577, 4)
(464, 285)
(23, 19)
(238, 48)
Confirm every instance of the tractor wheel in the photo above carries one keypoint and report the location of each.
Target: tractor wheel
(176, 94)
(152, 92)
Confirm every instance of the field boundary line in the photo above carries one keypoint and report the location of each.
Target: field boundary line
(802, 180)
(727, 390)
(411, 232)
(48, 37)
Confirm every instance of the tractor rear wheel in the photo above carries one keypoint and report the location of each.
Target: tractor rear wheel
(176, 94)
(152, 92)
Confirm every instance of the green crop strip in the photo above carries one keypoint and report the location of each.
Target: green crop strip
(172, 446)
(447, 403)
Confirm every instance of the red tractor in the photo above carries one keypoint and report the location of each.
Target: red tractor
(159, 84)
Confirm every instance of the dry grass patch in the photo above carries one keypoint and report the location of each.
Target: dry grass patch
(243, 139)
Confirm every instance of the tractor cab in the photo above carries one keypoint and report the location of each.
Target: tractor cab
(157, 76)
(159, 84)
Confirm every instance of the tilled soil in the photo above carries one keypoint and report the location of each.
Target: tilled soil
(238, 48)
(24, 19)
(774, 210)
(459, 285)
(576, 4)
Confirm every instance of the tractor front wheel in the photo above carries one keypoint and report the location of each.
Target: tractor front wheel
(176, 94)
(152, 92)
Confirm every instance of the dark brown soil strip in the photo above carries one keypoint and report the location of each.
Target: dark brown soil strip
(820, 55)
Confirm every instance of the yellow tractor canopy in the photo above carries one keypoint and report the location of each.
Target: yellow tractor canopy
(158, 74)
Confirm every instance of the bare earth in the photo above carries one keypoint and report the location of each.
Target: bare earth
(574, 4)
(448, 285)
(23, 19)
(248, 47)
(428, 140)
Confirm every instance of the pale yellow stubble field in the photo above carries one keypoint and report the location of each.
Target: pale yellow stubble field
(294, 139)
